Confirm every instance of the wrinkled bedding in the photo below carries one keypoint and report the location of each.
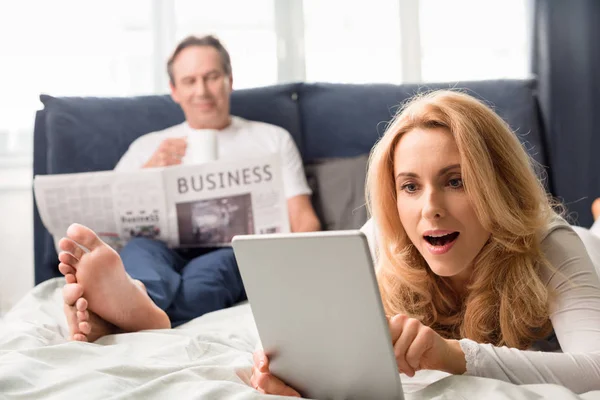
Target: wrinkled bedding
(207, 358)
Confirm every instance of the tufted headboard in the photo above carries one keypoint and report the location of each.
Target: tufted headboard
(327, 121)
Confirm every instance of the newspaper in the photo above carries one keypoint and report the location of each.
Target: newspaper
(202, 205)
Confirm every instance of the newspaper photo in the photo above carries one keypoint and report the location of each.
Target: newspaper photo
(202, 205)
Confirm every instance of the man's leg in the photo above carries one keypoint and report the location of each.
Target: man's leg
(208, 283)
(156, 266)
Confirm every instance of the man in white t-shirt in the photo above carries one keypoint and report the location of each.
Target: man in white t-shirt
(182, 284)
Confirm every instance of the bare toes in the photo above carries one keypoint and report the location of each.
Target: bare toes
(71, 317)
(83, 316)
(81, 304)
(66, 270)
(84, 236)
(80, 337)
(67, 258)
(71, 292)
(69, 246)
(85, 327)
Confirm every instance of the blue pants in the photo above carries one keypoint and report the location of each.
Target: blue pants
(185, 284)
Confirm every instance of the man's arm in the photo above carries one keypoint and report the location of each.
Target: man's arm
(302, 215)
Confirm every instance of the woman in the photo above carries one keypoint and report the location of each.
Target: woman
(475, 268)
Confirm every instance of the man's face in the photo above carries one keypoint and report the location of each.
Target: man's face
(201, 87)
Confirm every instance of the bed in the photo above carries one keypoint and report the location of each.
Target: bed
(334, 127)
(207, 358)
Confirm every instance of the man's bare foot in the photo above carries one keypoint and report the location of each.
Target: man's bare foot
(107, 289)
(596, 208)
(84, 325)
(71, 293)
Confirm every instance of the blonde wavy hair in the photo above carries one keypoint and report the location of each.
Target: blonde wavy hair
(506, 301)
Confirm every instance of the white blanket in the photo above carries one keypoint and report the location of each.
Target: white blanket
(208, 358)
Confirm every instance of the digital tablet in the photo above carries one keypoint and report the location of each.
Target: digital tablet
(318, 310)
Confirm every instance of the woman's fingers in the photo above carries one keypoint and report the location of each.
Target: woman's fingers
(261, 361)
(396, 324)
(270, 384)
(264, 382)
(254, 378)
(412, 343)
(256, 356)
(419, 346)
(410, 329)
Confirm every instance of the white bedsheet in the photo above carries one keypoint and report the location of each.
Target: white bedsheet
(207, 358)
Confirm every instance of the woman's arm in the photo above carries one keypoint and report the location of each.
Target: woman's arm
(575, 316)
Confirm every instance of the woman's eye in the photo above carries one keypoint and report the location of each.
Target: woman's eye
(455, 183)
(409, 187)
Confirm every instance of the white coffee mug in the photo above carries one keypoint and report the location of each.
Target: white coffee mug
(202, 147)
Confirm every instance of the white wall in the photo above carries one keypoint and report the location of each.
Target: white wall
(16, 236)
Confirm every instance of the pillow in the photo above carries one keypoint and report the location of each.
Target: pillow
(338, 186)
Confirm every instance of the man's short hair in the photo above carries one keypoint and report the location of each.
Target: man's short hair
(208, 40)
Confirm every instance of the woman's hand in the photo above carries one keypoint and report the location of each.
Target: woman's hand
(417, 347)
(263, 381)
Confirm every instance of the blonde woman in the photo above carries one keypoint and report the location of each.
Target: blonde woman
(475, 268)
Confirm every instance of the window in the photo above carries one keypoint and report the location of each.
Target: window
(473, 39)
(67, 48)
(352, 42)
(119, 48)
(246, 28)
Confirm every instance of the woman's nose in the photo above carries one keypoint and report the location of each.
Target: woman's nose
(433, 207)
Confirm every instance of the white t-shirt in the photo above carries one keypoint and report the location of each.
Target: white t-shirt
(242, 138)
(574, 313)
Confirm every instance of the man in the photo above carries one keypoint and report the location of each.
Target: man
(170, 287)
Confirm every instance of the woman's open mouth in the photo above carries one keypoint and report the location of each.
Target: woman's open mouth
(440, 244)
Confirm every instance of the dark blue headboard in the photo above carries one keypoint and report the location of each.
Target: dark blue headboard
(80, 134)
